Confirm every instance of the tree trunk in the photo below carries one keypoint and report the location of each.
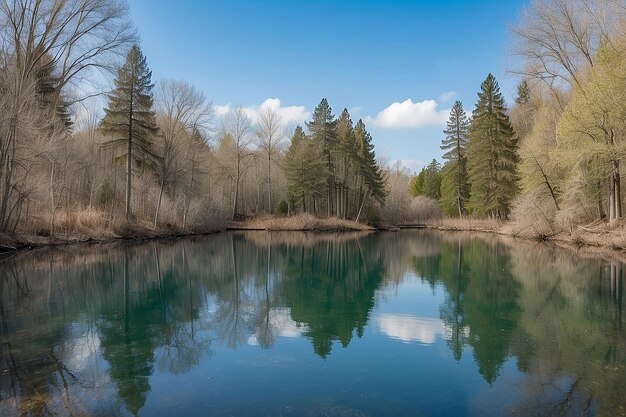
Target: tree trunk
(611, 200)
(158, 207)
(361, 208)
(329, 205)
(329, 199)
(52, 204)
(269, 184)
(236, 200)
(344, 208)
(601, 213)
(8, 157)
(188, 196)
(617, 189)
(129, 159)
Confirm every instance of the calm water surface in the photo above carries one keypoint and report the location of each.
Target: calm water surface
(414, 323)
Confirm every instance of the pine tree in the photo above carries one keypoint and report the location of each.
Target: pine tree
(323, 132)
(129, 117)
(416, 185)
(345, 161)
(372, 182)
(491, 154)
(432, 180)
(455, 190)
(523, 93)
(305, 170)
(428, 182)
(50, 96)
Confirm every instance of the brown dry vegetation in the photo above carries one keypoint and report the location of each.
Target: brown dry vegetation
(304, 239)
(467, 224)
(596, 238)
(90, 227)
(303, 221)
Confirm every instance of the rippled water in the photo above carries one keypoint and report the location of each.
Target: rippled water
(256, 324)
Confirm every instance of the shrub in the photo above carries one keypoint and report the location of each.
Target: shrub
(534, 216)
(283, 208)
(423, 209)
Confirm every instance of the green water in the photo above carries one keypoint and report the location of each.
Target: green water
(415, 323)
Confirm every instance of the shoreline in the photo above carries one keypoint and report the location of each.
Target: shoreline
(608, 243)
(15, 243)
(605, 243)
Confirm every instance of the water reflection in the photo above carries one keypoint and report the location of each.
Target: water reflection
(143, 328)
(407, 328)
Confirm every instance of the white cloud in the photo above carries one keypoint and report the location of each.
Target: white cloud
(282, 325)
(446, 96)
(222, 110)
(288, 114)
(409, 114)
(413, 165)
(411, 329)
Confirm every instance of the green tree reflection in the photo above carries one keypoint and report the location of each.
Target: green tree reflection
(481, 307)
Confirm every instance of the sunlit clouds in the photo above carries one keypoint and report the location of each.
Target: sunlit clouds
(406, 328)
(288, 114)
(408, 114)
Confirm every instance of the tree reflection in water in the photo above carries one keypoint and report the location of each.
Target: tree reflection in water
(84, 329)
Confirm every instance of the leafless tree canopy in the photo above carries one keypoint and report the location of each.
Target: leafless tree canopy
(69, 36)
(46, 46)
(557, 38)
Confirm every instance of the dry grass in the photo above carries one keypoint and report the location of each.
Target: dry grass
(305, 239)
(598, 238)
(96, 226)
(304, 222)
(468, 224)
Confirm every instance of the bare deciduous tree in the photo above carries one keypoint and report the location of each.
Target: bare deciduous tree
(183, 110)
(60, 38)
(558, 38)
(238, 126)
(271, 133)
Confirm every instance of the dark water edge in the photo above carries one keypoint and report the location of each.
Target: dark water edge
(263, 323)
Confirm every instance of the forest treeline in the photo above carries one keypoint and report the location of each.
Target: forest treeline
(156, 154)
(552, 161)
(152, 154)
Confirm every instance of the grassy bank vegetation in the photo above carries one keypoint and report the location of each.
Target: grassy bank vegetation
(303, 221)
(595, 235)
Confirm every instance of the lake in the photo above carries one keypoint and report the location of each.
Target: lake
(415, 323)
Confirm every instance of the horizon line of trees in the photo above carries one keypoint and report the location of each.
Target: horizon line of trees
(553, 160)
(333, 168)
(160, 157)
(156, 155)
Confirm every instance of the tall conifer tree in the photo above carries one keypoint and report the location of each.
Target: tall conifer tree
(323, 131)
(523, 93)
(491, 154)
(345, 161)
(129, 117)
(305, 170)
(372, 182)
(454, 187)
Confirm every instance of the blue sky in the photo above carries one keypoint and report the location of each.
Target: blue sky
(369, 56)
